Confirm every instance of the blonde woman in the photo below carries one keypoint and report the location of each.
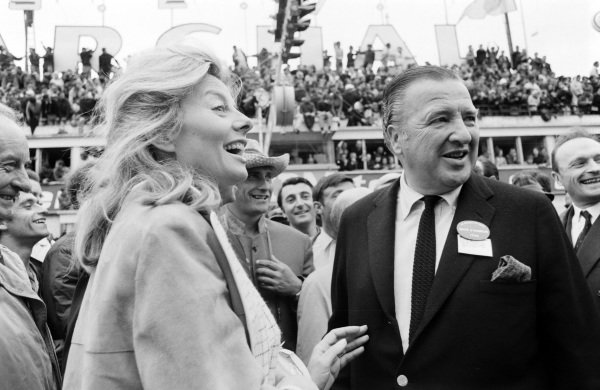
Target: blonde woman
(168, 305)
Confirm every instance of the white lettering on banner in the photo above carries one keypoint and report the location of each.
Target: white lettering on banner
(67, 42)
(386, 34)
(178, 33)
(67, 39)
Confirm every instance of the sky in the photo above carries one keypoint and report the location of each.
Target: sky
(559, 29)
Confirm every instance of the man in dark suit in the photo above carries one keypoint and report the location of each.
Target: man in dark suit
(276, 257)
(576, 164)
(419, 263)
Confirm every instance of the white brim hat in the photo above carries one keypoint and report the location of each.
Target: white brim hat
(255, 158)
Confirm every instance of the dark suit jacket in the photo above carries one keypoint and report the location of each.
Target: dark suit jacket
(588, 254)
(475, 334)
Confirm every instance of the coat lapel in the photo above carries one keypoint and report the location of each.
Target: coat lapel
(589, 252)
(381, 225)
(472, 205)
(567, 220)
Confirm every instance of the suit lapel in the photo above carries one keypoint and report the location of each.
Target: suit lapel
(381, 225)
(472, 205)
(589, 252)
(567, 221)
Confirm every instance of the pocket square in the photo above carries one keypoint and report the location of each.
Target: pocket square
(511, 269)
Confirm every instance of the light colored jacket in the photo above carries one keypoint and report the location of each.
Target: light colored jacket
(156, 313)
(26, 350)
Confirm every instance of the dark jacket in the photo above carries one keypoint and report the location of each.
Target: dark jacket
(588, 254)
(475, 334)
(60, 273)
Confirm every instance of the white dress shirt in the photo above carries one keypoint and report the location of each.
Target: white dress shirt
(323, 250)
(408, 215)
(578, 221)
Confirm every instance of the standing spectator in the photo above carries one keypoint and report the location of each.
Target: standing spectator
(105, 63)
(276, 257)
(385, 55)
(295, 199)
(62, 273)
(325, 192)
(470, 57)
(575, 165)
(48, 66)
(26, 350)
(480, 56)
(314, 303)
(350, 58)
(339, 57)
(369, 57)
(516, 57)
(23, 230)
(32, 113)
(34, 60)
(516, 315)
(86, 62)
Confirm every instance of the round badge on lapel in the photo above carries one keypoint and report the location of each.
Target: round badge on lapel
(473, 230)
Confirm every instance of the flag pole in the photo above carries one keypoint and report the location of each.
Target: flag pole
(508, 36)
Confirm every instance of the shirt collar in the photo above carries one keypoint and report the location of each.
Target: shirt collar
(407, 197)
(593, 210)
(237, 226)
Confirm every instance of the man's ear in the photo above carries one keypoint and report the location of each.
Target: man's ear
(394, 134)
(318, 207)
(556, 177)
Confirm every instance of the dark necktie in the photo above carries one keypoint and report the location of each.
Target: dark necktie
(424, 265)
(586, 229)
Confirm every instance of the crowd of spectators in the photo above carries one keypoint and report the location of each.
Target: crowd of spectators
(44, 96)
(351, 95)
(523, 85)
(347, 91)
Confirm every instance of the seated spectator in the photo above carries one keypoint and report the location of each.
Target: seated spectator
(511, 157)
(60, 170)
(486, 168)
(500, 159)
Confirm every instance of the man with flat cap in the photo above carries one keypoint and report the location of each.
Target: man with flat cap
(276, 257)
(464, 282)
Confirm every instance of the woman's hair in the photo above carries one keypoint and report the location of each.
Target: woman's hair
(140, 108)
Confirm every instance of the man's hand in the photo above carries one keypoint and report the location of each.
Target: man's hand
(276, 276)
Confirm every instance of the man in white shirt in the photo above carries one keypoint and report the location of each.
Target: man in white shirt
(576, 164)
(464, 282)
(295, 199)
(325, 192)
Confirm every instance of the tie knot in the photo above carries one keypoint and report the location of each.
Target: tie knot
(430, 201)
(586, 215)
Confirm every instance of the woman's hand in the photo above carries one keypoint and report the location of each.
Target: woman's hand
(338, 348)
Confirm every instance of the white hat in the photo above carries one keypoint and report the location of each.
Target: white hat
(256, 158)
